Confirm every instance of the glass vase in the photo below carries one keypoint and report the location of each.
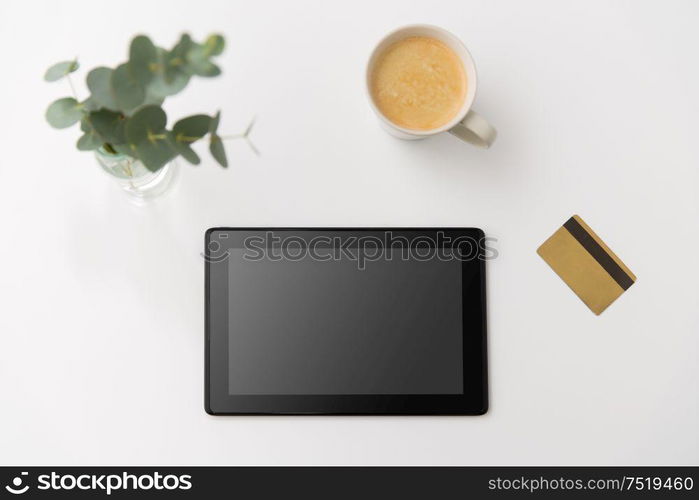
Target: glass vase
(134, 178)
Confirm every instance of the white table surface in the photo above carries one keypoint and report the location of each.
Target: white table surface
(596, 102)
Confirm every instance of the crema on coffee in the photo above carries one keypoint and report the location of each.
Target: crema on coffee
(418, 83)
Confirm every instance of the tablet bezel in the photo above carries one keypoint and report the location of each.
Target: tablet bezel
(474, 400)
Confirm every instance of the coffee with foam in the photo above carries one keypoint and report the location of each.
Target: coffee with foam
(418, 83)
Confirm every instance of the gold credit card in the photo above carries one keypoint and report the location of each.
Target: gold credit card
(586, 264)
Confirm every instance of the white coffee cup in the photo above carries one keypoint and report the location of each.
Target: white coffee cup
(467, 125)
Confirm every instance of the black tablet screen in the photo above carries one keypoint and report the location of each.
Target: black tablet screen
(314, 326)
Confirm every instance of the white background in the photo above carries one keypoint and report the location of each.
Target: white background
(102, 302)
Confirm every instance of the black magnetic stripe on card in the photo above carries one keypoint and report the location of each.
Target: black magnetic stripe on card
(598, 253)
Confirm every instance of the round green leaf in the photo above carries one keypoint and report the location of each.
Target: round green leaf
(146, 123)
(214, 44)
(90, 139)
(175, 61)
(218, 151)
(143, 58)
(209, 70)
(89, 142)
(128, 91)
(186, 151)
(152, 97)
(167, 80)
(90, 104)
(85, 124)
(99, 83)
(178, 55)
(64, 112)
(156, 151)
(161, 87)
(198, 63)
(190, 129)
(59, 70)
(109, 125)
(145, 132)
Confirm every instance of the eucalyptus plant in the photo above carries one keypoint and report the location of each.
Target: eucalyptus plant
(124, 114)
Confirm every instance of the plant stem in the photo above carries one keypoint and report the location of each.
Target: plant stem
(245, 135)
(241, 136)
(72, 88)
(129, 172)
(252, 146)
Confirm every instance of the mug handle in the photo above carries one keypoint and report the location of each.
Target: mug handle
(474, 129)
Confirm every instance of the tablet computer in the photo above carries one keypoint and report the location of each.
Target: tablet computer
(345, 321)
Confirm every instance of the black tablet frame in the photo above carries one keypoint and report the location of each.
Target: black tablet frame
(474, 400)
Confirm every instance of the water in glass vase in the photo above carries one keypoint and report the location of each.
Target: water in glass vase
(134, 178)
